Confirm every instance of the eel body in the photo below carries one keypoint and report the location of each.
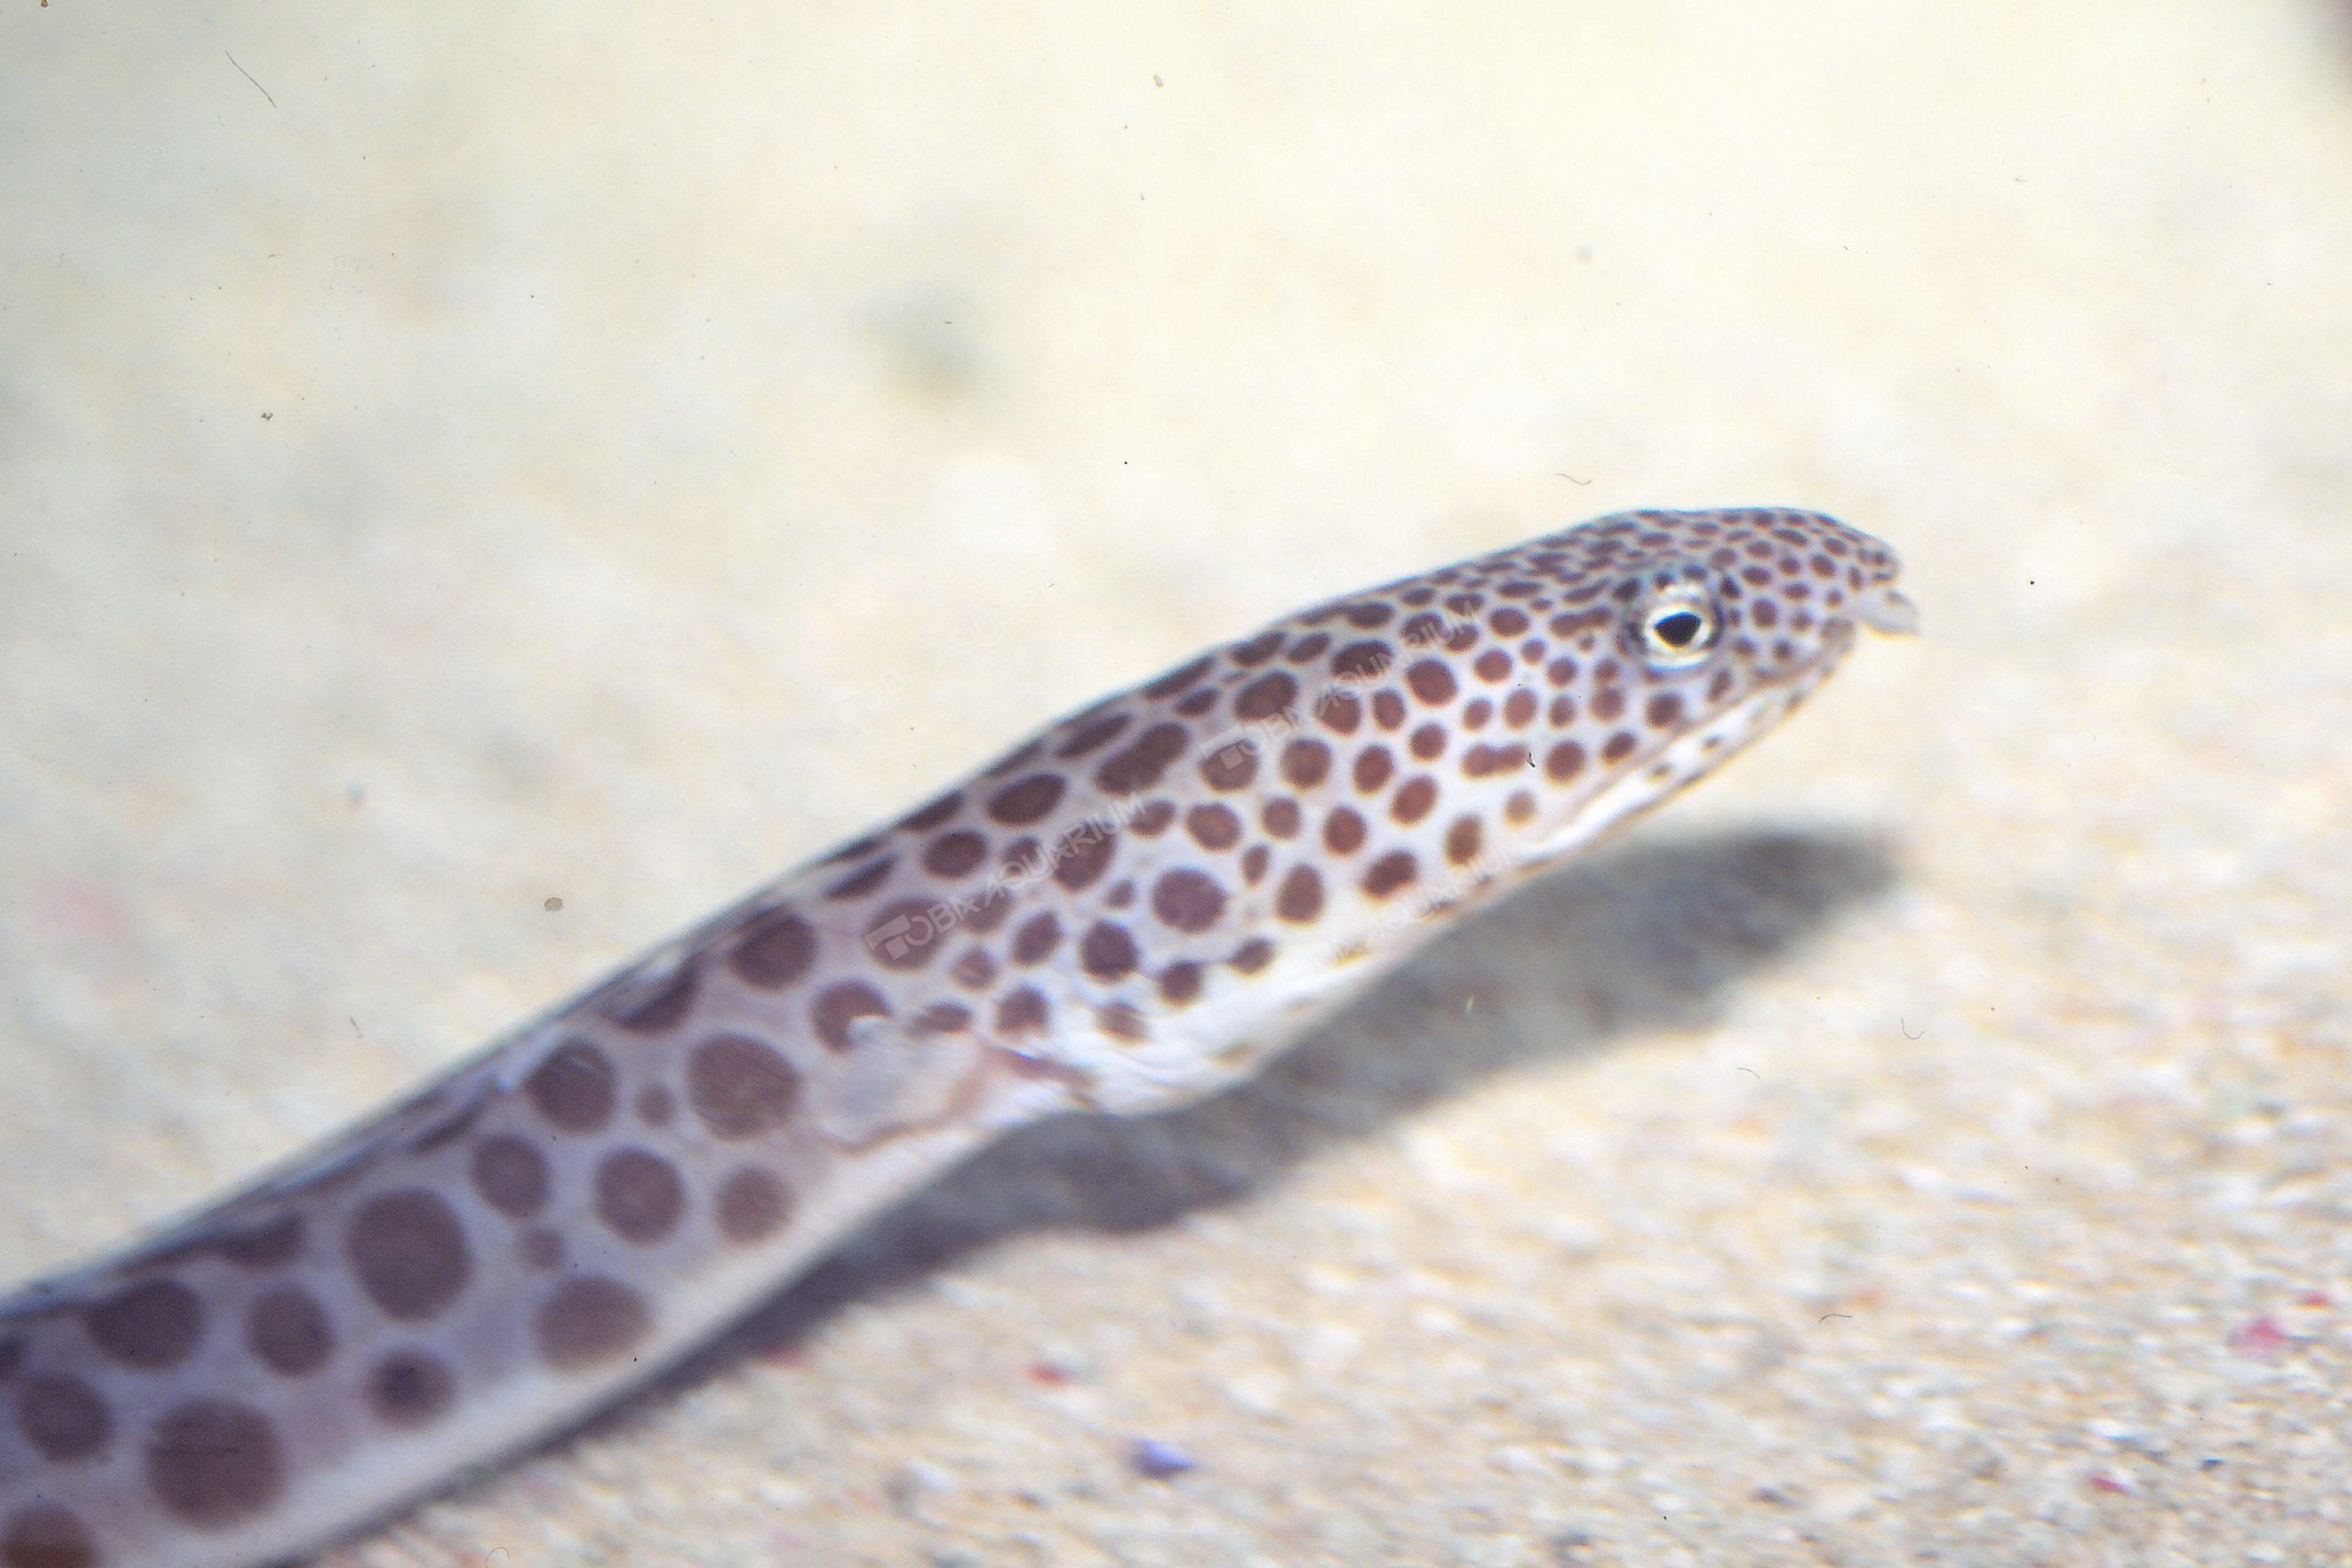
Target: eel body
(1127, 912)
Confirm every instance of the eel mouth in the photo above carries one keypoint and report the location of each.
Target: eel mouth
(1674, 764)
(1883, 610)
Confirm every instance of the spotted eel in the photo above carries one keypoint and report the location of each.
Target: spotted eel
(1133, 910)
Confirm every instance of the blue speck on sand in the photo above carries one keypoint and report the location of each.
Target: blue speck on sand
(1156, 1460)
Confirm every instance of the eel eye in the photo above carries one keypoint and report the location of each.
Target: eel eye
(1676, 628)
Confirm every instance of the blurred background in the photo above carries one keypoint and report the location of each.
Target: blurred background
(478, 489)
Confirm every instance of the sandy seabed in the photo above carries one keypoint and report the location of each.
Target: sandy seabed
(450, 462)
